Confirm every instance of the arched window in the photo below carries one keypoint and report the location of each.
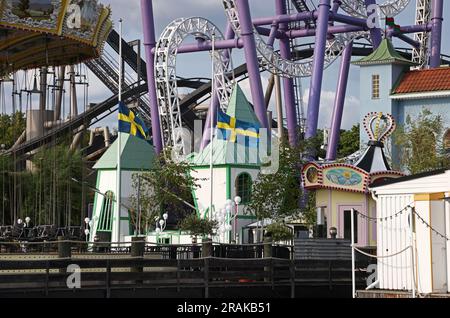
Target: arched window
(447, 142)
(244, 187)
(106, 213)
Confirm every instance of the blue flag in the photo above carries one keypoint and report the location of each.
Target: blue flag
(129, 123)
(234, 130)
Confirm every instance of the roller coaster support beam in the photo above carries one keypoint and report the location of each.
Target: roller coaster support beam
(391, 32)
(251, 59)
(375, 33)
(229, 36)
(318, 67)
(288, 83)
(339, 102)
(149, 44)
(436, 33)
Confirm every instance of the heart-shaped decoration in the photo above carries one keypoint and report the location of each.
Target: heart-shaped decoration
(379, 126)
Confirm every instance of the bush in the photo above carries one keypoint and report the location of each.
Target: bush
(197, 226)
(279, 232)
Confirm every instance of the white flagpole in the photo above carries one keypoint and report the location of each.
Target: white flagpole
(211, 158)
(119, 146)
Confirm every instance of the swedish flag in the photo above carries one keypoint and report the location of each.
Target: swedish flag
(234, 130)
(129, 123)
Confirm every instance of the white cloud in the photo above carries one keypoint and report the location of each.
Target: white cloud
(351, 109)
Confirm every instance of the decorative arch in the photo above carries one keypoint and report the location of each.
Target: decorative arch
(243, 187)
(105, 221)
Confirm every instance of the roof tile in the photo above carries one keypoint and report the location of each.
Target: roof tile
(419, 81)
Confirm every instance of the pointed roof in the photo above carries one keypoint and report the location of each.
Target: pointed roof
(384, 54)
(240, 108)
(226, 152)
(136, 154)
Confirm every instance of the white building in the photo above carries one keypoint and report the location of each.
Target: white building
(428, 196)
(235, 167)
(137, 156)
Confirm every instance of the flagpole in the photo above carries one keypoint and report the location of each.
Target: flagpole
(211, 158)
(119, 146)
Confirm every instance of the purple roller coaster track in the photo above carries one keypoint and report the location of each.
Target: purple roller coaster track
(335, 26)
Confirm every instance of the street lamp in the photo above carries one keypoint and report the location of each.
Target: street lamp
(224, 217)
(161, 224)
(89, 223)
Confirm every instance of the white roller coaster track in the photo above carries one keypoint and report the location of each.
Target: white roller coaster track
(272, 60)
(423, 14)
(390, 8)
(166, 75)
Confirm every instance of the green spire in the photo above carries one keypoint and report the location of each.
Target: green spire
(136, 154)
(384, 54)
(240, 108)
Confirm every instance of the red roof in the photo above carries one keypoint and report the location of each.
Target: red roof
(419, 81)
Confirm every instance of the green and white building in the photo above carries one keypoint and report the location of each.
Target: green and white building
(235, 168)
(137, 156)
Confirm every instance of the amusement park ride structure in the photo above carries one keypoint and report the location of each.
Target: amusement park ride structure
(340, 29)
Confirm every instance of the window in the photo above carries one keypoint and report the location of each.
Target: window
(375, 86)
(244, 187)
(106, 213)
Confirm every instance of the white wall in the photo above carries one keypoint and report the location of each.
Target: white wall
(393, 235)
(106, 181)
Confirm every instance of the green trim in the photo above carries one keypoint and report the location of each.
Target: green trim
(254, 167)
(123, 170)
(125, 218)
(246, 217)
(228, 185)
(194, 196)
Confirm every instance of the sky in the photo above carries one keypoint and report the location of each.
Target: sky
(198, 64)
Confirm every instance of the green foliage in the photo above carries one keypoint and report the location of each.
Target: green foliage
(279, 232)
(278, 196)
(11, 127)
(45, 193)
(166, 188)
(349, 142)
(420, 143)
(197, 226)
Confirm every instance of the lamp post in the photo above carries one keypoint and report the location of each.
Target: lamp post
(225, 217)
(89, 224)
(161, 224)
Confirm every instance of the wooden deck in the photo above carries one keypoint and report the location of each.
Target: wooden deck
(192, 278)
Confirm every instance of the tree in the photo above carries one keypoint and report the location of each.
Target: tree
(420, 143)
(278, 196)
(11, 127)
(349, 142)
(24, 5)
(167, 187)
(197, 226)
(279, 232)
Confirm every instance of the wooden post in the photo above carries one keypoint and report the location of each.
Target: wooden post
(206, 277)
(108, 279)
(64, 251)
(267, 247)
(292, 275)
(137, 251)
(268, 254)
(178, 275)
(47, 278)
(207, 248)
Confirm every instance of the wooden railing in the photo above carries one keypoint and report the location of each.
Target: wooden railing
(49, 276)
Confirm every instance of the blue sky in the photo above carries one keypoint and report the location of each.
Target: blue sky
(198, 64)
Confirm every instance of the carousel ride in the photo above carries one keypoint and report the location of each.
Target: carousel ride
(50, 47)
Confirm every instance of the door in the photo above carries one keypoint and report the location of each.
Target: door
(345, 225)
